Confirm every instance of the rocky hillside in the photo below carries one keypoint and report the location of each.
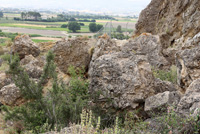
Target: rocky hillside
(157, 69)
(170, 19)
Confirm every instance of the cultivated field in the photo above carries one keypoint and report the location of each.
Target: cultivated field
(53, 29)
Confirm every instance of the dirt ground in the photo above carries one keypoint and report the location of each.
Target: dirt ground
(46, 38)
(33, 31)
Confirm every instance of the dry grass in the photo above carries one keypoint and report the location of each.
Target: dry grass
(46, 38)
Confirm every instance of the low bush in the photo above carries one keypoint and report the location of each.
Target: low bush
(170, 75)
(59, 107)
(5, 57)
(63, 26)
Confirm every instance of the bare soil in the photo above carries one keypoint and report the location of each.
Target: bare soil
(46, 38)
(33, 31)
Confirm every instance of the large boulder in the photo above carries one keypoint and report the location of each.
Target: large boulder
(191, 100)
(32, 66)
(10, 95)
(149, 45)
(161, 101)
(171, 19)
(23, 45)
(124, 78)
(73, 52)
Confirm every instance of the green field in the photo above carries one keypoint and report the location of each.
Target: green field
(9, 22)
(38, 41)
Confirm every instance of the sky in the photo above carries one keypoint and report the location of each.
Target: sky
(92, 5)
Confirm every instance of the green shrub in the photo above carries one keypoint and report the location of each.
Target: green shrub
(172, 122)
(59, 107)
(5, 57)
(170, 75)
(63, 26)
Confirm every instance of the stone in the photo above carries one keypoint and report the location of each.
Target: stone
(161, 101)
(190, 102)
(23, 45)
(170, 19)
(149, 45)
(162, 86)
(9, 95)
(73, 52)
(32, 66)
(188, 64)
(124, 78)
(105, 46)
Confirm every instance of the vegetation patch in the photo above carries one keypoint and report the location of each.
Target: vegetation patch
(38, 40)
(164, 75)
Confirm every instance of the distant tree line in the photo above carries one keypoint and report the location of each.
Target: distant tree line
(89, 16)
(30, 15)
(36, 16)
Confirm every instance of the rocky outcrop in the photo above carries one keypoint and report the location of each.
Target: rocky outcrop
(32, 66)
(23, 45)
(74, 52)
(188, 62)
(149, 45)
(10, 95)
(162, 86)
(191, 100)
(125, 78)
(104, 46)
(160, 102)
(170, 19)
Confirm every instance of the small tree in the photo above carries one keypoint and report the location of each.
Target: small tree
(23, 15)
(74, 26)
(119, 29)
(99, 26)
(63, 26)
(93, 27)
